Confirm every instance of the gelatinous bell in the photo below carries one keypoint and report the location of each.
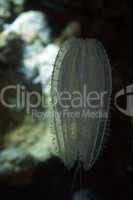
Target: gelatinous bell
(81, 88)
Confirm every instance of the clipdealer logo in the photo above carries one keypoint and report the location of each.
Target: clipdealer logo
(126, 94)
(24, 99)
(67, 101)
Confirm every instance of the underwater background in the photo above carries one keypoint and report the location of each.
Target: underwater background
(31, 33)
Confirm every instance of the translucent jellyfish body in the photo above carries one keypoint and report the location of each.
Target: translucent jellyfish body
(81, 88)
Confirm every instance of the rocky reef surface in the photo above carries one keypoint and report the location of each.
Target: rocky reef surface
(27, 55)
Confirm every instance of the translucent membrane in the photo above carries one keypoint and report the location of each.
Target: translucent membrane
(81, 88)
